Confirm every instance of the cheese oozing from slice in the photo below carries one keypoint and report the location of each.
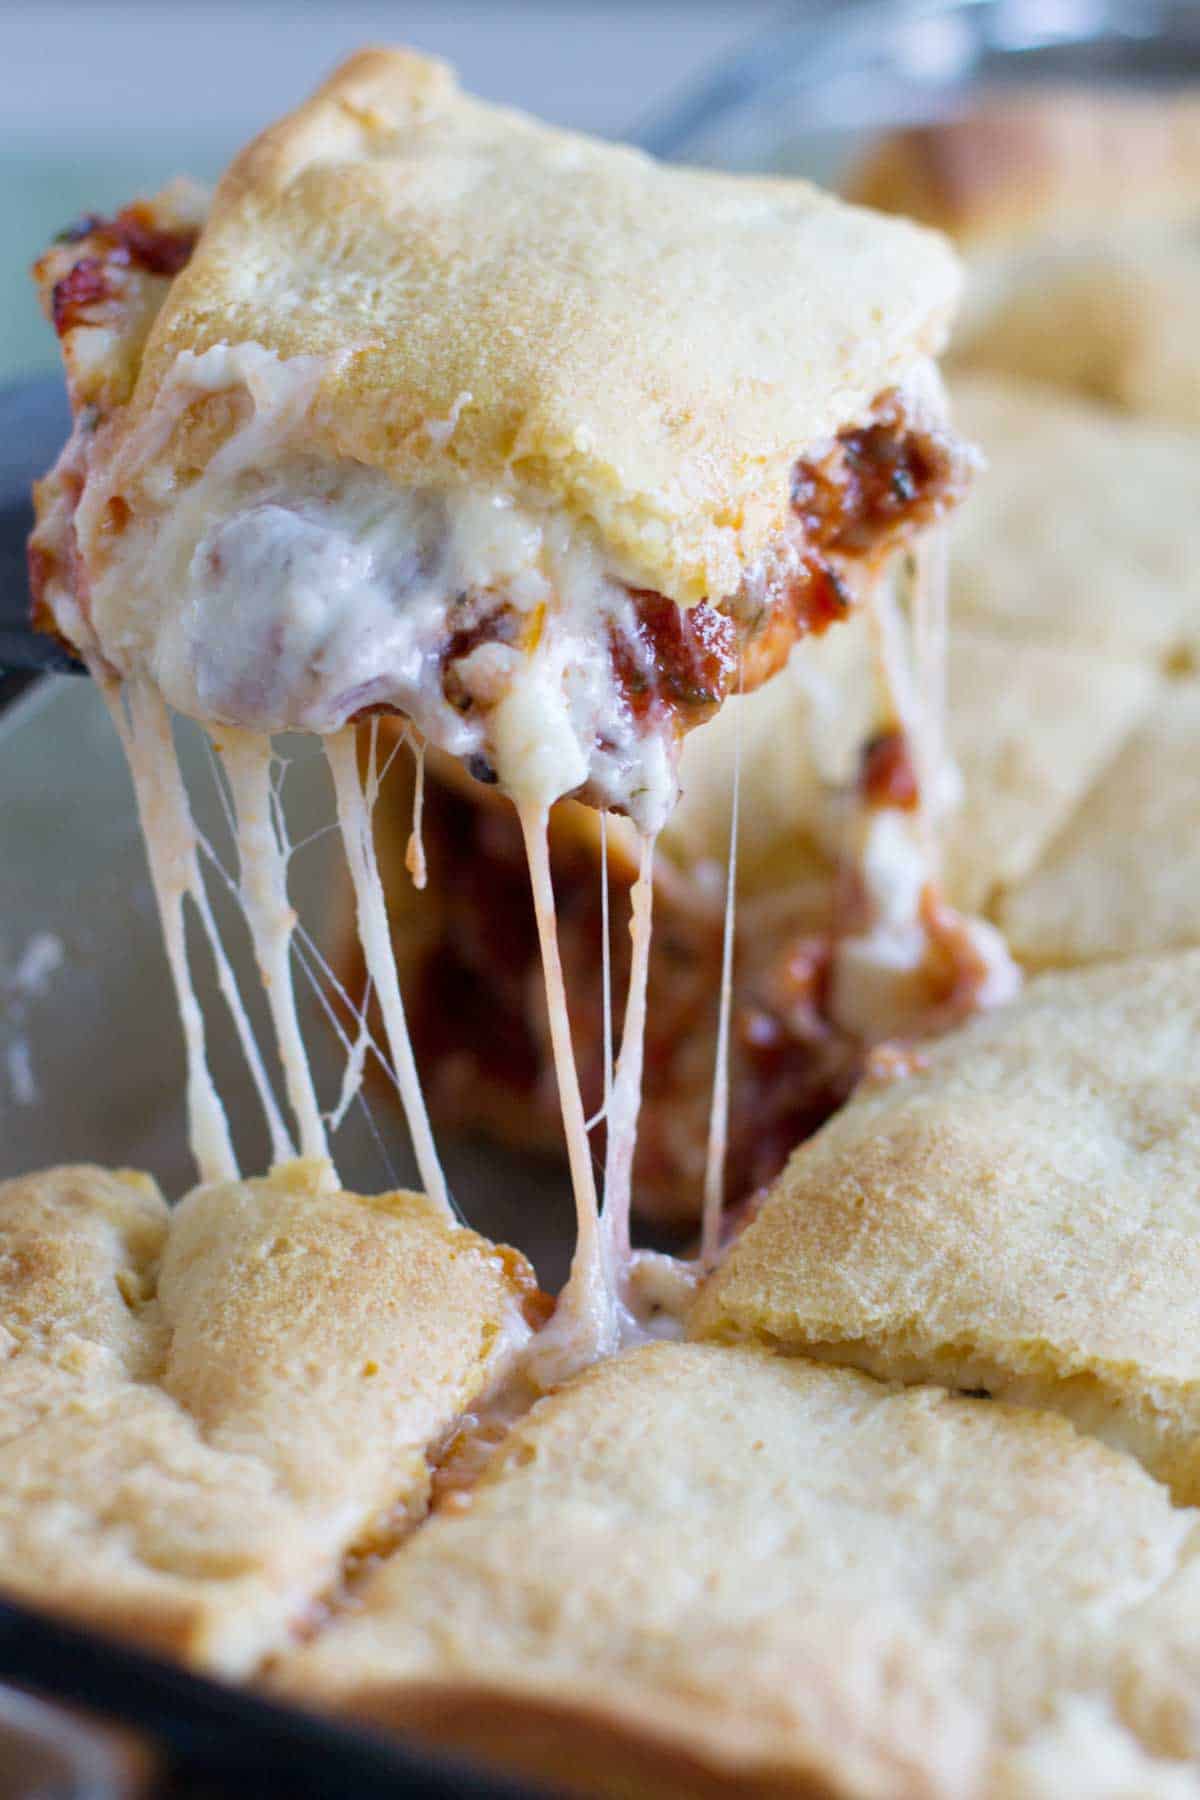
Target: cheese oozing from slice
(354, 817)
(624, 1098)
(171, 846)
(271, 919)
(281, 590)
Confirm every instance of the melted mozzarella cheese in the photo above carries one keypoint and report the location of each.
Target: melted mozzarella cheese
(269, 915)
(280, 590)
(884, 970)
(355, 1066)
(414, 854)
(170, 840)
(586, 1323)
(941, 786)
(625, 1099)
(879, 982)
(606, 963)
(354, 817)
(718, 1121)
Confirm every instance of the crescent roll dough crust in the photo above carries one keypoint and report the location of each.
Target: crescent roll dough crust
(1064, 160)
(203, 1410)
(702, 1571)
(648, 348)
(1019, 1215)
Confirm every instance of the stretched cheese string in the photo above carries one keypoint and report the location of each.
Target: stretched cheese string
(585, 1322)
(912, 675)
(144, 728)
(718, 1116)
(282, 1147)
(350, 1092)
(930, 601)
(893, 661)
(262, 870)
(354, 817)
(169, 857)
(606, 965)
(356, 1062)
(414, 855)
(626, 1098)
(313, 967)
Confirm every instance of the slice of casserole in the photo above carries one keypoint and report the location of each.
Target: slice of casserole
(522, 434)
(537, 443)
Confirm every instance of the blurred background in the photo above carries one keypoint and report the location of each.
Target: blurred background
(100, 102)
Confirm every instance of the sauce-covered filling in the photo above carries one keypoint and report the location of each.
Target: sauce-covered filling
(879, 480)
(888, 776)
(103, 250)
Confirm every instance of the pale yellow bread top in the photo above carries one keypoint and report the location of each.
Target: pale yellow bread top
(1067, 161)
(202, 1411)
(701, 1570)
(1122, 877)
(1021, 1215)
(1084, 531)
(647, 348)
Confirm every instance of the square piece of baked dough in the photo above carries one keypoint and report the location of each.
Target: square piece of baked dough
(1122, 877)
(1043, 164)
(1084, 532)
(1078, 211)
(202, 1411)
(701, 1570)
(1019, 1214)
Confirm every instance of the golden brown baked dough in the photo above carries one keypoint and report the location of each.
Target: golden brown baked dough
(202, 1411)
(1085, 530)
(1062, 161)
(1079, 211)
(648, 348)
(1018, 1214)
(1030, 732)
(702, 1570)
(1122, 878)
